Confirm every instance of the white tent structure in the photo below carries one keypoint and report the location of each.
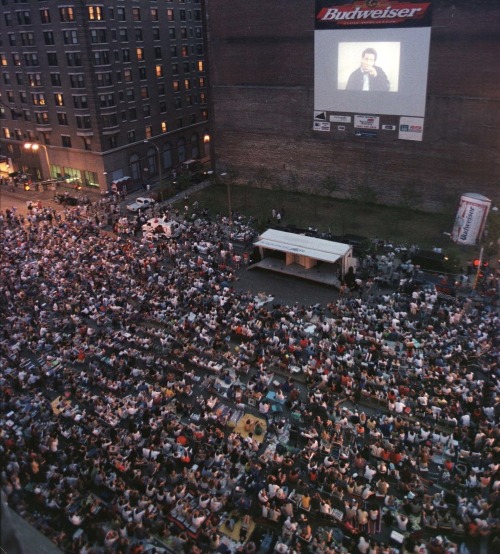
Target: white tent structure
(306, 257)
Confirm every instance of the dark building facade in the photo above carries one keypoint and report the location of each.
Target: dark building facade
(104, 89)
(261, 57)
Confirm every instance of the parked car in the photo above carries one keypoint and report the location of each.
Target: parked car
(140, 203)
(65, 199)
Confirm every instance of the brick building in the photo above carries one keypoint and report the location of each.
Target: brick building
(105, 89)
(261, 57)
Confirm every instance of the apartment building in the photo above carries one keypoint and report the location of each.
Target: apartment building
(93, 91)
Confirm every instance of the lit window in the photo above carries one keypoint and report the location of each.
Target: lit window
(67, 13)
(149, 131)
(140, 54)
(159, 71)
(164, 126)
(200, 65)
(59, 99)
(95, 13)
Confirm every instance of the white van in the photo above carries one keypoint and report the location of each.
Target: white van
(161, 227)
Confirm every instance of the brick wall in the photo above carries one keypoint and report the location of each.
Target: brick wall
(262, 77)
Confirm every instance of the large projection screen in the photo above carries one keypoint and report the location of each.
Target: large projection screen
(370, 67)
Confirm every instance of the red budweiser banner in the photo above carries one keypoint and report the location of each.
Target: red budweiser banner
(372, 13)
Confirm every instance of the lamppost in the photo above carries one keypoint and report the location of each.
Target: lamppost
(34, 146)
(159, 157)
(224, 175)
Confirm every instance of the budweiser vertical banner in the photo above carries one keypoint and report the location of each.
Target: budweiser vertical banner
(372, 13)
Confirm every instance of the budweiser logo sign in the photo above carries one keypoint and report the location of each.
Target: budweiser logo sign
(371, 13)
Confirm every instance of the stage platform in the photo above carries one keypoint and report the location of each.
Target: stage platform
(322, 273)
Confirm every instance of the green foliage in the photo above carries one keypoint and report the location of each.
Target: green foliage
(364, 194)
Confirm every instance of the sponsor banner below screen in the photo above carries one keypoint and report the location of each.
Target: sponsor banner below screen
(365, 134)
(411, 128)
(366, 122)
(321, 126)
(389, 127)
(340, 118)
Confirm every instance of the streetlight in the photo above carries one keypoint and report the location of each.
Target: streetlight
(224, 175)
(159, 157)
(34, 146)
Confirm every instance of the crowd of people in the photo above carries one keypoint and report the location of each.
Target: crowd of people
(369, 425)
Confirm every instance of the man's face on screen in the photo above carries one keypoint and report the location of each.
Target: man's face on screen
(367, 62)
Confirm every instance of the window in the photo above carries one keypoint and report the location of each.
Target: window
(66, 141)
(127, 75)
(182, 15)
(104, 79)
(48, 37)
(55, 79)
(187, 84)
(163, 106)
(171, 33)
(158, 54)
(184, 33)
(87, 145)
(203, 98)
(142, 73)
(77, 80)
(175, 85)
(132, 114)
(140, 54)
(52, 58)
(178, 103)
(98, 36)
(120, 14)
(138, 35)
(146, 110)
(189, 100)
(59, 99)
(109, 120)
(28, 39)
(8, 19)
(186, 67)
(70, 37)
(184, 51)
(101, 57)
(23, 96)
(197, 15)
(45, 16)
(156, 33)
(80, 101)
(10, 98)
(113, 141)
(149, 132)
(154, 14)
(204, 115)
(38, 99)
(136, 14)
(67, 13)
(6, 78)
(198, 32)
(19, 79)
(123, 35)
(159, 70)
(175, 69)
(30, 59)
(131, 138)
(12, 39)
(23, 17)
(3, 60)
(95, 13)
(130, 95)
(164, 127)
(201, 82)
(170, 14)
(173, 51)
(62, 118)
(26, 115)
(144, 93)
(73, 59)
(199, 49)
(106, 100)
(126, 54)
(161, 89)
(16, 59)
(200, 65)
